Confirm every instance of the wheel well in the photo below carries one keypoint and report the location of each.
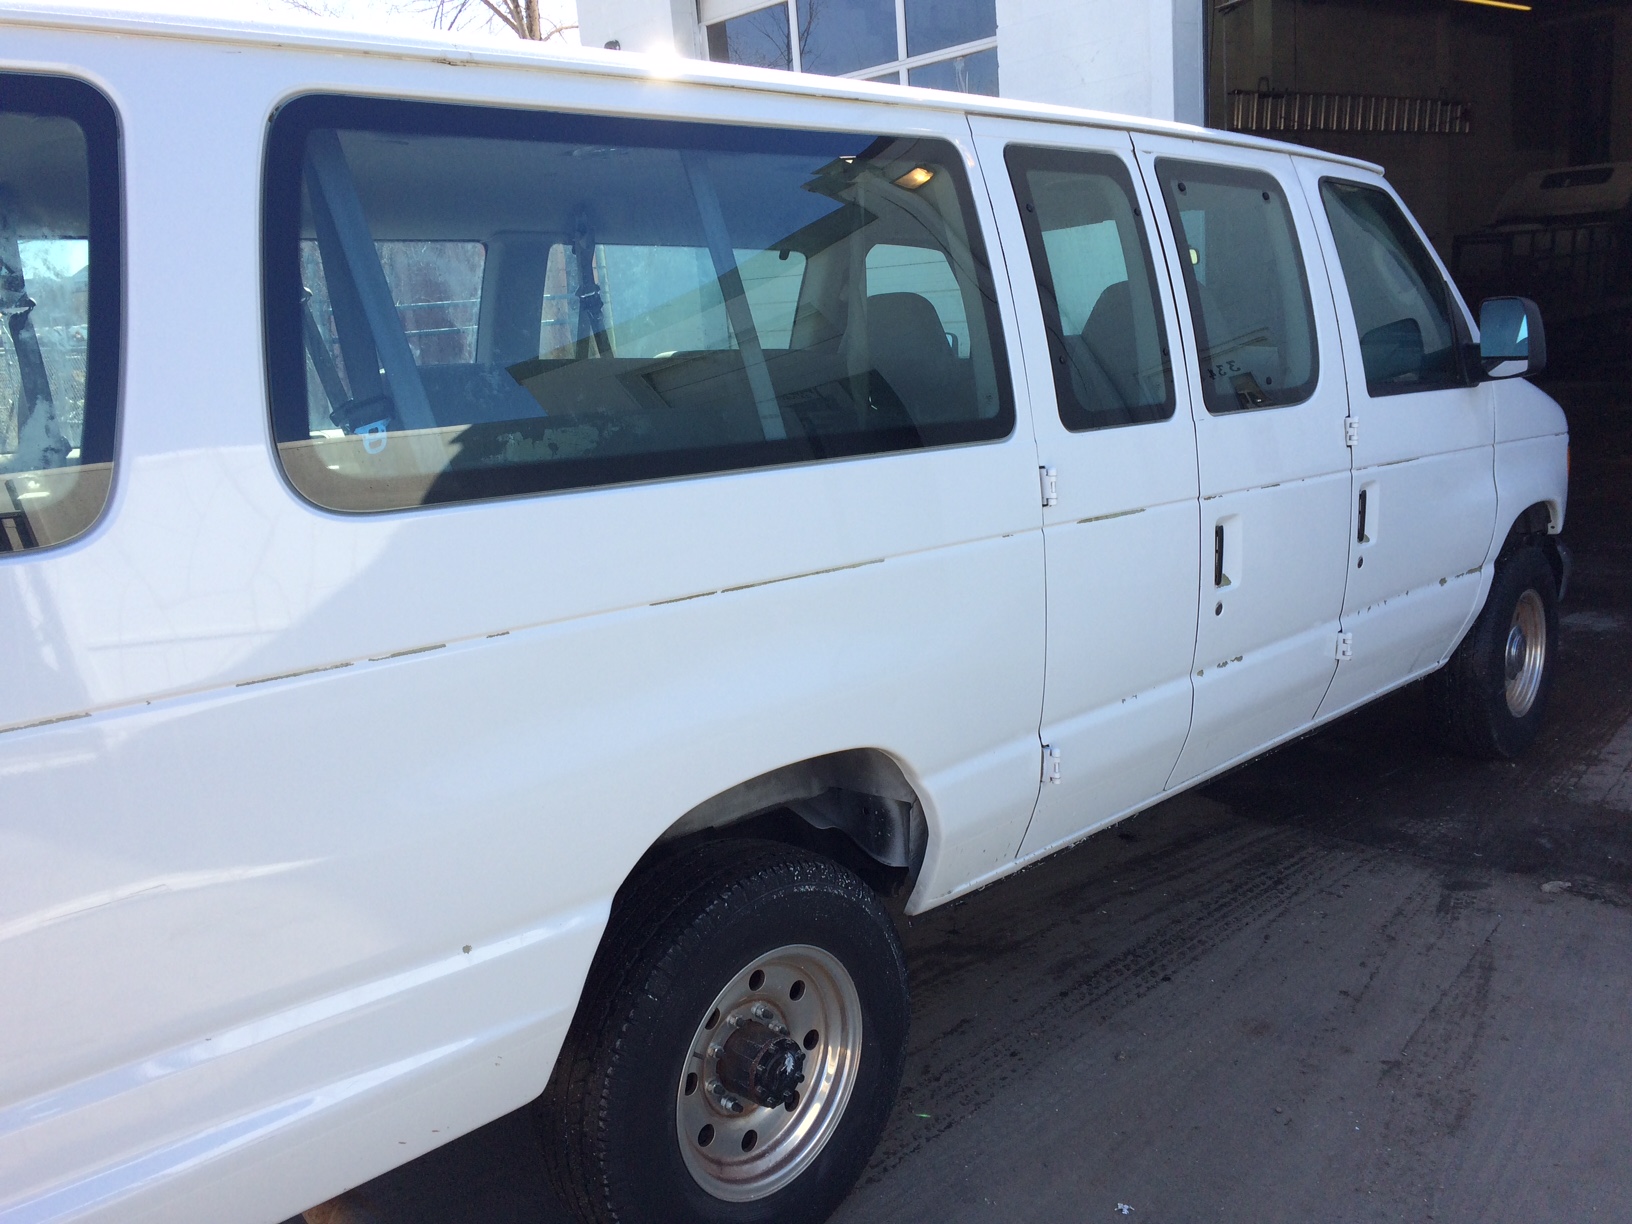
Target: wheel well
(1534, 526)
(855, 806)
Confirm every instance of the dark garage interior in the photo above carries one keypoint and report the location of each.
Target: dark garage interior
(1506, 127)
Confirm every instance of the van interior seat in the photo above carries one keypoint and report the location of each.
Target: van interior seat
(1110, 337)
(1104, 360)
(907, 346)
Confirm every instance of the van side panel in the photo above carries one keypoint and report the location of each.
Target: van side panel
(341, 804)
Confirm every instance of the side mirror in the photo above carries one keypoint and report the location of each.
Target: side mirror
(1512, 340)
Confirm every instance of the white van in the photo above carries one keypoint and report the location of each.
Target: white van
(514, 567)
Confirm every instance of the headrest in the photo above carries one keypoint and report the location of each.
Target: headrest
(897, 319)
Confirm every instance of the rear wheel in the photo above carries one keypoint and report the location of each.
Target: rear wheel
(738, 1048)
(1489, 700)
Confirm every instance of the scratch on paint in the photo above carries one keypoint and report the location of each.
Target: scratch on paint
(1100, 518)
(398, 654)
(46, 722)
(309, 671)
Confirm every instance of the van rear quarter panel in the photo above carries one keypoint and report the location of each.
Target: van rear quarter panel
(312, 884)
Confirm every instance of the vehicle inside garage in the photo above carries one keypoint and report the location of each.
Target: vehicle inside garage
(1507, 127)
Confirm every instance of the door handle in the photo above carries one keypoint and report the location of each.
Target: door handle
(1227, 551)
(1365, 517)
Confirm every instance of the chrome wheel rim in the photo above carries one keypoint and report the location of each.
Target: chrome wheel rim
(736, 1148)
(1526, 654)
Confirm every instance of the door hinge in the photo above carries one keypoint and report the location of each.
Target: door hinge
(1051, 485)
(1345, 646)
(1351, 431)
(1051, 763)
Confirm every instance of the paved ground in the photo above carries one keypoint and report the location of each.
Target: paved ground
(1357, 980)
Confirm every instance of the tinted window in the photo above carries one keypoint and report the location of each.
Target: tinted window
(468, 304)
(59, 297)
(1243, 274)
(1401, 306)
(1098, 287)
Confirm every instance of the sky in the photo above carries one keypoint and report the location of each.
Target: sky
(400, 15)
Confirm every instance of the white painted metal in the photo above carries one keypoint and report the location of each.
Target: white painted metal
(1122, 550)
(1276, 481)
(1424, 462)
(264, 886)
(309, 824)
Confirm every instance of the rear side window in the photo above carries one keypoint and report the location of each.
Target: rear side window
(1244, 276)
(466, 303)
(1401, 306)
(1098, 287)
(59, 298)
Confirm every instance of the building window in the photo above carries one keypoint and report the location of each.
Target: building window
(939, 44)
(760, 39)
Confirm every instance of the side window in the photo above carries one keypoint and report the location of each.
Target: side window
(465, 304)
(1402, 309)
(1100, 299)
(1244, 277)
(59, 297)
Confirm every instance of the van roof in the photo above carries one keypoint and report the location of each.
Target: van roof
(359, 39)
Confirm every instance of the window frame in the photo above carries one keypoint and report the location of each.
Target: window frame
(1045, 157)
(282, 183)
(1237, 175)
(1461, 332)
(54, 95)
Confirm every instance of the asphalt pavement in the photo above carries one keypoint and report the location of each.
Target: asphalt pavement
(1358, 979)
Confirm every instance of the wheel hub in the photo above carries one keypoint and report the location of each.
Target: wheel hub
(1525, 659)
(769, 1073)
(761, 1063)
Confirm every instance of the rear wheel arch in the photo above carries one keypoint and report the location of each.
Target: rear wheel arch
(857, 806)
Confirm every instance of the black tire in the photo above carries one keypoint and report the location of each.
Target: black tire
(1469, 696)
(683, 933)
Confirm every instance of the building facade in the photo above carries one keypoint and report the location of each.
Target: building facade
(1142, 57)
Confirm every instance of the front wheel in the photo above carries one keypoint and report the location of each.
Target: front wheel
(738, 1048)
(1488, 701)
